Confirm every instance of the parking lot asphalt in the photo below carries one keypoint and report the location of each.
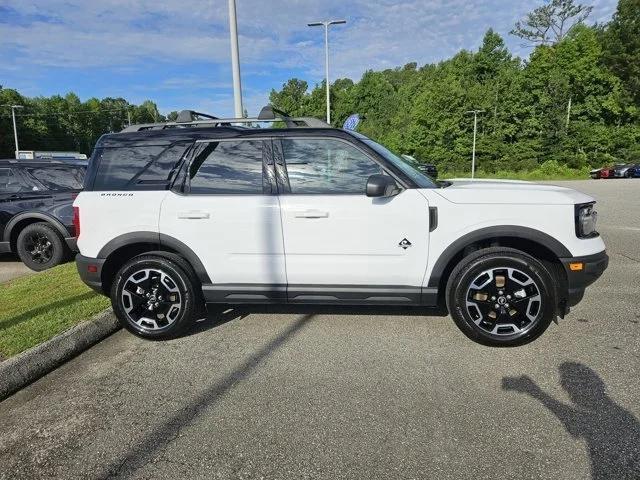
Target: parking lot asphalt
(11, 267)
(352, 393)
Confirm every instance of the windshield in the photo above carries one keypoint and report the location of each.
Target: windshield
(420, 179)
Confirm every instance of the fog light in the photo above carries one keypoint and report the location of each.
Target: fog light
(576, 266)
(92, 268)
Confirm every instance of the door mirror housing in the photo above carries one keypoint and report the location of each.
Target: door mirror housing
(381, 186)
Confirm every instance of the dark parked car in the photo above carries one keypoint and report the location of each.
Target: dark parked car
(36, 212)
(624, 170)
(428, 168)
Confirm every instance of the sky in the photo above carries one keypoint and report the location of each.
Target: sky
(177, 52)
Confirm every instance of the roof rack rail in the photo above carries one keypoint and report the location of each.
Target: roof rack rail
(191, 118)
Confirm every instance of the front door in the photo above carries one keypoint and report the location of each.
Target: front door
(342, 246)
(228, 213)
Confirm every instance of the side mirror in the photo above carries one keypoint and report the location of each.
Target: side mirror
(381, 186)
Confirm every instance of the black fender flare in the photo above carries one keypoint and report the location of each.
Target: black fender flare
(490, 233)
(161, 240)
(53, 221)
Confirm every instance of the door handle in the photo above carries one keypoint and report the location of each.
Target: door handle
(311, 214)
(193, 215)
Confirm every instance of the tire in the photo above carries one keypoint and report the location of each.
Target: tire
(520, 286)
(40, 247)
(155, 297)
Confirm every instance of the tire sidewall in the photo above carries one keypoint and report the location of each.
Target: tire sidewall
(456, 297)
(181, 279)
(52, 235)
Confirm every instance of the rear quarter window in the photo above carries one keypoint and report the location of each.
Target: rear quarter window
(148, 167)
(58, 178)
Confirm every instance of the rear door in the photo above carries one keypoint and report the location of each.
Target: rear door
(12, 188)
(227, 211)
(340, 245)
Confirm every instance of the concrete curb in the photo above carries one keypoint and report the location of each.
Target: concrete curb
(28, 366)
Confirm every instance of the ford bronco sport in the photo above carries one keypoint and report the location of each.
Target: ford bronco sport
(200, 211)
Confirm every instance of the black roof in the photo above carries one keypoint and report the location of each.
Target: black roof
(12, 162)
(173, 135)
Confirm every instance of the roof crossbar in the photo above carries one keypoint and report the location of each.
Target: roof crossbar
(268, 114)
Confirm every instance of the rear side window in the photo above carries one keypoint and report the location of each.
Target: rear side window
(228, 168)
(58, 178)
(10, 182)
(149, 167)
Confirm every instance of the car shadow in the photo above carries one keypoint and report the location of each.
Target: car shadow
(218, 315)
(157, 439)
(611, 432)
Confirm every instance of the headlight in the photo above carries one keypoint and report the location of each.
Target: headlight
(586, 217)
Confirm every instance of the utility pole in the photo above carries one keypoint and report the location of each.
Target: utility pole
(475, 130)
(568, 113)
(326, 24)
(129, 116)
(15, 130)
(235, 60)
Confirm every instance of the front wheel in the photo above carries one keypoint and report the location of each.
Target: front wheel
(501, 297)
(155, 297)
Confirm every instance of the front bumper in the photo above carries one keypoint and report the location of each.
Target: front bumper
(90, 271)
(579, 279)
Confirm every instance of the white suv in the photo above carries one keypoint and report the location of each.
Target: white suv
(175, 216)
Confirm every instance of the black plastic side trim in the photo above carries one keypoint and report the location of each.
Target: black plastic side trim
(5, 247)
(497, 232)
(244, 293)
(36, 216)
(433, 218)
(155, 238)
(354, 294)
(319, 294)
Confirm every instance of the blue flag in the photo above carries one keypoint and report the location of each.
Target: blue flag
(352, 122)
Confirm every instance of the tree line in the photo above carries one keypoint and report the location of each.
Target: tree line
(575, 100)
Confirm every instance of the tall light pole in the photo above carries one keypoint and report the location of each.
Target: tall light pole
(235, 60)
(326, 24)
(475, 129)
(15, 130)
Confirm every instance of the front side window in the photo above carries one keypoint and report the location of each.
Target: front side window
(230, 167)
(327, 166)
(10, 182)
(58, 178)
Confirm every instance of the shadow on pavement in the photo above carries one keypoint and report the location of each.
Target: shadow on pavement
(219, 315)
(160, 437)
(611, 432)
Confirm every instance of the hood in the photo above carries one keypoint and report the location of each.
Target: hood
(510, 192)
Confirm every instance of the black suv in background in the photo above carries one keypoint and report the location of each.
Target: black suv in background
(36, 212)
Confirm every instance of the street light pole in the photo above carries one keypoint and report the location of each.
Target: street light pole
(235, 60)
(475, 130)
(15, 130)
(326, 24)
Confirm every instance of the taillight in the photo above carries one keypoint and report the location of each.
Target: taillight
(76, 220)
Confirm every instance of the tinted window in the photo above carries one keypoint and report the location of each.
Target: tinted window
(228, 167)
(327, 166)
(137, 167)
(58, 178)
(10, 182)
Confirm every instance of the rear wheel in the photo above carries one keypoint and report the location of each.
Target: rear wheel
(501, 297)
(155, 297)
(40, 246)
